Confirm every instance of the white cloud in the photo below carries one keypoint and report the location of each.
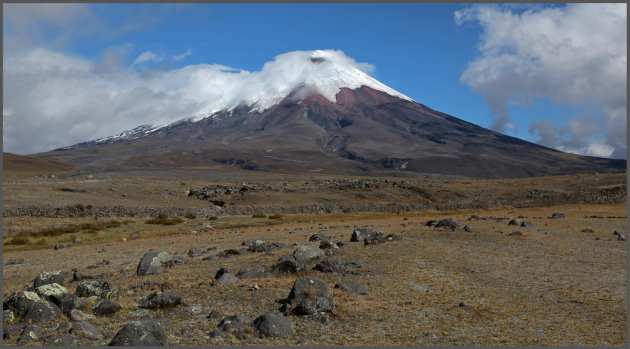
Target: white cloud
(574, 54)
(53, 99)
(147, 56)
(181, 57)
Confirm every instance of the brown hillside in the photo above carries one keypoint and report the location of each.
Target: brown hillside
(20, 163)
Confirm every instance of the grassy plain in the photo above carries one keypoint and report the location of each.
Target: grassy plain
(552, 285)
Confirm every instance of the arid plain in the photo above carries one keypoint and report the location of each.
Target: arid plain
(550, 280)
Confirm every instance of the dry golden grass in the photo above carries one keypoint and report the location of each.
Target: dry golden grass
(554, 285)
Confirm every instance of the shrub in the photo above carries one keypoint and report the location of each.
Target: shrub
(213, 218)
(164, 221)
(190, 215)
(328, 210)
(18, 240)
(162, 215)
(275, 216)
(259, 215)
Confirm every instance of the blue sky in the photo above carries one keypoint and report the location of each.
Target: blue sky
(485, 64)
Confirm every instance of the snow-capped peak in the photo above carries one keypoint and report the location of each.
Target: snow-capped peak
(319, 71)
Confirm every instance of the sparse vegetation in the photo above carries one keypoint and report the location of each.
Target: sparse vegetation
(18, 240)
(275, 216)
(190, 215)
(77, 228)
(164, 221)
(435, 287)
(259, 215)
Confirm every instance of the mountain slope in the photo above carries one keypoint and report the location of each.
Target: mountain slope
(365, 131)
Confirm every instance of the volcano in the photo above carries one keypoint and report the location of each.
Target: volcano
(329, 117)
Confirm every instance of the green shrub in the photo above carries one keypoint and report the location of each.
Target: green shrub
(190, 215)
(328, 210)
(213, 218)
(259, 215)
(162, 215)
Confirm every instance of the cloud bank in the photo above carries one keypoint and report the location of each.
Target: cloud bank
(52, 99)
(574, 55)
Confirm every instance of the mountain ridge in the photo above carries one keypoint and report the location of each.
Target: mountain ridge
(365, 131)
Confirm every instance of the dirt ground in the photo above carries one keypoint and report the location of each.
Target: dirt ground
(552, 285)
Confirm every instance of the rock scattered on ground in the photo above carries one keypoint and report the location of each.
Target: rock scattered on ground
(557, 215)
(106, 306)
(87, 330)
(56, 277)
(319, 237)
(151, 263)
(78, 315)
(272, 325)
(157, 300)
(144, 332)
(99, 288)
(16, 261)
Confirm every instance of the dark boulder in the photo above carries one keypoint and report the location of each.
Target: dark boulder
(516, 221)
(174, 261)
(289, 264)
(238, 325)
(60, 340)
(448, 223)
(306, 287)
(221, 271)
(272, 325)
(432, 223)
(86, 330)
(360, 234)
(157, 300)
(314, 305)
(67, 302)
(557, 215)
(224, 279)
(373, 239)
(319, 237)
(29, 306)
(331, 264)
(327, 245)
(106, 306)
(53, 277)
(144, 332)
(31, 333)
(253, 272)
(99, 288)
(152, 262)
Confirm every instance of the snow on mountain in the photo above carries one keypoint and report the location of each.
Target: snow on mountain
(213, 88)
(319, 71)
(129, 134)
